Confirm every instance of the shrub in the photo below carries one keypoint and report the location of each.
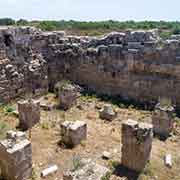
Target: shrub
(9, 109)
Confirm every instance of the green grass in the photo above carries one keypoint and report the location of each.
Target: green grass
(3, 129)
(46, 125)
(107, 176)
(77, 164)
(9, 109)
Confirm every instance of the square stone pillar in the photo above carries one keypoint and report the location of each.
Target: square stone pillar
(29, 113)
(136, 144)
(16, 157)
(72, 133)
(67, 96)
(162, 120)
(107, 112)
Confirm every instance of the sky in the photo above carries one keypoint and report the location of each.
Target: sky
(91, 10)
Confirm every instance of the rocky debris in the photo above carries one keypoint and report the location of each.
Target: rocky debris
(114, 177)
(73, 133)
(106, 155)
(107, 112)
(47, 107)
(136, 144)
(16, 157)
(162, 120)
(48, 171)
(90, 171)
(29, 113)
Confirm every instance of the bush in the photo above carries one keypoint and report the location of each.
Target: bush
(3, 129)
(9, 109)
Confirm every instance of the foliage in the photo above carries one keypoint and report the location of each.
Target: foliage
(107, 176)
(7, 22)
(45, 125)
(113, 164)
(98, 27)
(3, 129)
(22, 22)
(77, 163)
(9, 109)
(34, 174)
(165, 34)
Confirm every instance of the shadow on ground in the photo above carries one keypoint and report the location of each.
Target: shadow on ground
(122, 171)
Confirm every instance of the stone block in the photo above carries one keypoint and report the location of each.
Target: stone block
(67, 96)
(15, 157)
(73, 133)
(107, 112)
(88, 171)
(29, 113)
(136, 144)
(162, 120)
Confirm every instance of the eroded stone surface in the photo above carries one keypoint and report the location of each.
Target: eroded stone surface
(72, 133)
(15, 157)
(90, 171)
(107, 112)
(67, 96)
(29, 113)
(163, 120)
(136, 144)
(131, 64)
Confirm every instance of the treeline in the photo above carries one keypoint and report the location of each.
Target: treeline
(95, 28)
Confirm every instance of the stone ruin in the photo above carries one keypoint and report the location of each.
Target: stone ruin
(73, 133)
(134, 65)
(29, 113)
(15, 157)
(107, 112)
(67, 95)
(163, 120)
(136, 144)
(89, 171)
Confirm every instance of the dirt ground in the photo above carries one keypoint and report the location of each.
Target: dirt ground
(102, 136)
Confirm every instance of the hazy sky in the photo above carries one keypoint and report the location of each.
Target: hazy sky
(91, 9)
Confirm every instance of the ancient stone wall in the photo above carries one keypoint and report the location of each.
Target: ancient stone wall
(134, 65)
(22, 68)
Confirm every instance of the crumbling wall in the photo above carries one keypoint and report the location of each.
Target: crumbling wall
(134, 65)
(22, 69)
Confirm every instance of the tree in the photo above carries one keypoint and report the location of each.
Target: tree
(7, 22)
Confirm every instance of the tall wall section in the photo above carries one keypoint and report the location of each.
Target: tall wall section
(135, 65)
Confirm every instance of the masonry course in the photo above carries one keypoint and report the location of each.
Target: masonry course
(134, 65)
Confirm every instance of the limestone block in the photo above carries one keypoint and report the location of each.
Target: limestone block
(162, 120)
(15, 157)
(136, 144)
(107, 112)
(73, 133)
(89, 171)
(67, 96)
(135, 45)
(29, 113)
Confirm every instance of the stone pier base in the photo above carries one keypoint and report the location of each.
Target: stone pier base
(136, 144)
(29, 113)
(163, 120)
(15, 157)
(72, 133)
